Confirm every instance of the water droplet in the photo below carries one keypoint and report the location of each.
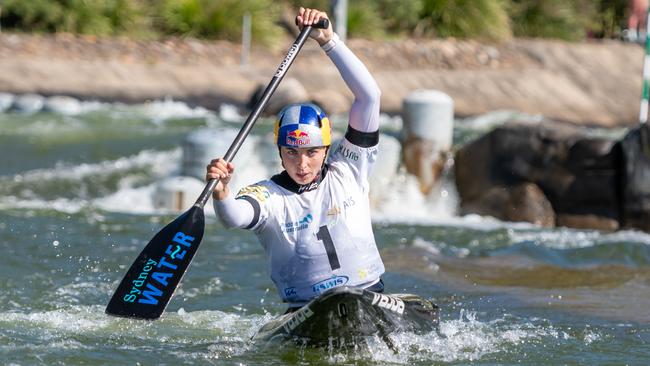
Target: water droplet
(55, 243)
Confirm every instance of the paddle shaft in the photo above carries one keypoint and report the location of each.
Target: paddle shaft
(259, 107)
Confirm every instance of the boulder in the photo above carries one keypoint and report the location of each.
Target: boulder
(594, 165)
(521, 202)
(540, 173)
(635, 151)
(588, 222)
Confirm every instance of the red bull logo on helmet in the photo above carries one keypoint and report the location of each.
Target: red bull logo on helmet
(302, 125)
(298, 137)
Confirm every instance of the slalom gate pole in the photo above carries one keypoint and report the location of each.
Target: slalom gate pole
(643, 111)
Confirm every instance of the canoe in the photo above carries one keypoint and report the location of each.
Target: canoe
(345, 316)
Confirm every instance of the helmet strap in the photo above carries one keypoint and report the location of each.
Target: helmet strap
(327, 150)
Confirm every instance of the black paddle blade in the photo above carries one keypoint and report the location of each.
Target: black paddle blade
(149, 284)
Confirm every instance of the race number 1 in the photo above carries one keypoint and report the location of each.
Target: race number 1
(324, 236)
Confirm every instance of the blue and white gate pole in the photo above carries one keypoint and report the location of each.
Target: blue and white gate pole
(643, 112)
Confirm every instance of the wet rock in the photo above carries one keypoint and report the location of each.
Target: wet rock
(515, 153)
(536, 171)
(588, 222)
(528, 203)
(635, 149)
(521, 202)
(594, 165)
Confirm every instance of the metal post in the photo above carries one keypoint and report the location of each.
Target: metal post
(246, 39)
(643, 112)
(340, 12)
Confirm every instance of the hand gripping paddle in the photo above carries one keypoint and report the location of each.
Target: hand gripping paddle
(149, 284)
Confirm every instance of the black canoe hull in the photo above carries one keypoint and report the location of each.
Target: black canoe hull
(347, 315)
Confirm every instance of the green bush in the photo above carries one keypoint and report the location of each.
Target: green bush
(324, 5)
(35, 16)
(562, 19)
(364, 19)
(222, 19)
(485, 19)
(400, 16)
(86, 17)
(130, 17)
(184, 17)
(100, 17)
(611, 18)
(219, 19)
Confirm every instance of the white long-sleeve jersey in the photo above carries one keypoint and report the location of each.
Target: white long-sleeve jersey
(319, 235)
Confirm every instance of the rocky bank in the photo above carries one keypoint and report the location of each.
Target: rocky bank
(590, 83)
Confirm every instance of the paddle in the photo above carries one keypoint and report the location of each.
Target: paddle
(149, 284)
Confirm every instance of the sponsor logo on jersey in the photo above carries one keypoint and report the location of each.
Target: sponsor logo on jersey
(298, 137)
(334, 211)
(362, 273)
(347, 153)
(388, 302)
(290, 292)
(324, 285)
(260, 193)
(290, 227)
(349, 202)
(308, 187)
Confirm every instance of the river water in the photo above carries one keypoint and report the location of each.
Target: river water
(76, 208)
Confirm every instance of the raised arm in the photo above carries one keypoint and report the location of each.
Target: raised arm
(364, 114)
